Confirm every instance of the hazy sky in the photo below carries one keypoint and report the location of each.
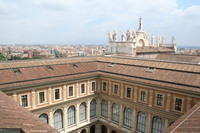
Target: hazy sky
(89, 21)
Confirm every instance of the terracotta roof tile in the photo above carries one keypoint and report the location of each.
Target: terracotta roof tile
(188, 123)
(14, 116)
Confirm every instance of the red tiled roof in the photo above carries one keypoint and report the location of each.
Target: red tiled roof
(188, 123)
(132, 69)
(13, 116)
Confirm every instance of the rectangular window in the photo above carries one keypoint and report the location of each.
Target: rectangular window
(82, 88)
(93, 86)
(104, 86)
(42, 97)
(178, 104)
(24, 100)
(70, 91)
(143, 96)
(159, 98)
(57, 94)
(116, 88)
(128, 92)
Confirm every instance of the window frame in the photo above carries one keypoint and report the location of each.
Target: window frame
(106, 87)
(113, 89)
(80, 87)
(28, 102)
(140, 96)
(60, 93)
(182, 105)
(127, 118)
(156, 99)
(83, 113)
(131, 94)
(68, 92)
(45, 97)
(93, 81)
(69, 117)
(104, 108)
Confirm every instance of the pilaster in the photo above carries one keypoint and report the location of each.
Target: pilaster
(65, 122)
(166, 124)
(148, 127)
(135, 97)
(50, 95)
(98, 113)
(109, 111)
(134, 119)
(33, 98)
(88, 111)
(77, 113)
(121, 116)
(150, 98)
(122, 90)
(97, 128)
(64, 92)
(109, 87)
(168, 102)
(51, 118)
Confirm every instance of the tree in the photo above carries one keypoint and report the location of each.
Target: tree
(2, 57)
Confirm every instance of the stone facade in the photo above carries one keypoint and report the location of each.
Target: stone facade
(131, 40)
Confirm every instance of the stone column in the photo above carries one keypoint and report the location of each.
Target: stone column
(168, 102)
(109, 111)
(189, 103)
(135, 97)
(134, 119)
(149, 121)
(51, 118)
(77, 113)
(88, 111)
(121, 116)
(64, 92)
(33, 98)
(97, 128)
(50, 96)
(150, 98)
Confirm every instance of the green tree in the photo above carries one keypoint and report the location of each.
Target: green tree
(2, 57)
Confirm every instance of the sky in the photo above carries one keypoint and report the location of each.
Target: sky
(89, 21)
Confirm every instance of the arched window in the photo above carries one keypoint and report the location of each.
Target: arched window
(71, 115)
(104, 108)
(157, 125)
(103, 129)
(82, 112)
(93, 109)
(58, 119)
(44, 117)
(141, 122)
(127, 117)
(115, 113)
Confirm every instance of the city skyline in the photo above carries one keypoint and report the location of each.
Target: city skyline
(88, 22)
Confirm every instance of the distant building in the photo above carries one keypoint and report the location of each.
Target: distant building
(137, 42)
